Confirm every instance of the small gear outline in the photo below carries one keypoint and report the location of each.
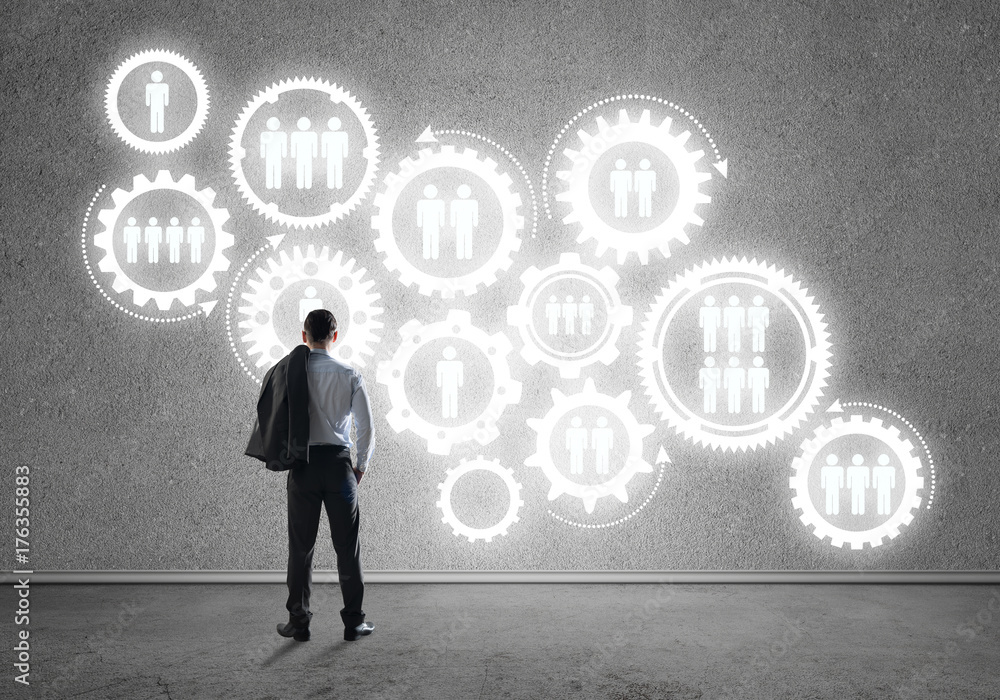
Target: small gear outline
(105, 239)
(370, 152)
(482, 428)
(473, 533)
(816, 339)
(604, 350)
(261, 337)
(502, 186)
(201, 101)
(889, 435)
(589, 493)
(689, 178)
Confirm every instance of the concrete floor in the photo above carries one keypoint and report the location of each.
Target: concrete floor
(461, 641)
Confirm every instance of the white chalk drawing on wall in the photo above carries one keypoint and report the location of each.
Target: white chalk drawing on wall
(857, 480)
(275, 300)
(304, 152)
(449, 382)
(134, 236)
(448, 220)
(156, 101)
(480, 464)
(740, 375)
(569, 315)
(578, 452)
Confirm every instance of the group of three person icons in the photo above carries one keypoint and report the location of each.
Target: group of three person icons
(153, 234)
(569, 310)
(734, 379)
(303, 146)
(734, 318)
(462, 215)
(858, 478)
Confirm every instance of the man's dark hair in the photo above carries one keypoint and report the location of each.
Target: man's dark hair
(319, 326)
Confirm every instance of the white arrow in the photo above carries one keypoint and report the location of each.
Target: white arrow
(662, 457)
(206, 307)
(275, 241)
(723, 167)
(835, 407)
(427, 136)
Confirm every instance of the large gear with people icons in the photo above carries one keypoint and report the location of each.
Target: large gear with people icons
(276, 275)
(370, 152)
(118, 124)
(482, 428)
(448, 157)
(904, 452)
(578, 178)
(545, 428)
(783, 421)
(479, 533)
(569, 269)
(141, 185)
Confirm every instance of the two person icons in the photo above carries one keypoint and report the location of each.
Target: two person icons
(600, 440)
(462, 215)
(153, 235)
(624, 182)
(304, 146)
(858, 478)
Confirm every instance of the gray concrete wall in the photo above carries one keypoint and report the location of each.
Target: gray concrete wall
(861, 145)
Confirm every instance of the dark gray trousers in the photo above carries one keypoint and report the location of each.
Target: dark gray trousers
(328, 479)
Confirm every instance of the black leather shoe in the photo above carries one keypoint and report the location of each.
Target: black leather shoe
(300, 634)
(354, 633)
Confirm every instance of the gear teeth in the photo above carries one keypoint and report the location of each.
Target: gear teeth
(449, 517)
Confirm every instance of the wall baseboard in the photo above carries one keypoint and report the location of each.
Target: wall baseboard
(328, 576)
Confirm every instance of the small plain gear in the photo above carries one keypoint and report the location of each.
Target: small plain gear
(501, 185)
(475, 533)
(105, 240)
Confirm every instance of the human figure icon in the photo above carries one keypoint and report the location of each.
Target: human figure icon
(621, 185)
(602, 439)
(430, 219)
(196, 238)
(154, 237)
(734, 318)
(175, 236)
(758, 381)
(645, 186)
(709, 381)
(157, 99)
(553, 310)
(273, 149)
(450, 377)
(586, 309)
(132, 235)
(758, 318)
(464, 219)
(831, 480)
(570, 310)
(734, 379)
(576, 443)
(304, 147)
(709, 320)
(333, 147)
(309, 302)
(858, 479)
(883, 481)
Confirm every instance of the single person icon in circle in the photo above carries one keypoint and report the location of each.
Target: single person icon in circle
(450, 377)
(157, 99)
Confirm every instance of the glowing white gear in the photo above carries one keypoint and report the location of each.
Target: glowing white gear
(888, 435)
(261, 337)
(483, 427)
(105, 240)
(479, 533)
(465, 159)
(604, 350)
(577, 179)
(271, 95)
(201, 100)
(815, 337)
(589, 493)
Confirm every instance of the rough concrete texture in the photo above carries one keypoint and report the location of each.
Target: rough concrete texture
(625, 642)
(862, 154)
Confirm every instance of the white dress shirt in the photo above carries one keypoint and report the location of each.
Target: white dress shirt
(336, 394)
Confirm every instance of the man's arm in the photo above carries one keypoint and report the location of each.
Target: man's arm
(361, 410)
